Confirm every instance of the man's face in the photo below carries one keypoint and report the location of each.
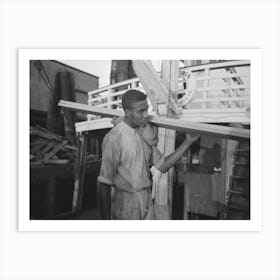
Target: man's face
(138, 113)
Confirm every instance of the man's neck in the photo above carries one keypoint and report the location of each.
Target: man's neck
(128, 122)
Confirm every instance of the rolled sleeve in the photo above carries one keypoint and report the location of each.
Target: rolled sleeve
(110, 160)
(157, 157)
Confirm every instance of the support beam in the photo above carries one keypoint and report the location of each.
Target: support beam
(150, 80)
(79, 175)
(164, 186)
(179, 125)
(154, 87)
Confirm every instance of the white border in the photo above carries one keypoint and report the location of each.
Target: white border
(25, 55)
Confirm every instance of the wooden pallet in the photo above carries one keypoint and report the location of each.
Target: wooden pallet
(45, 145)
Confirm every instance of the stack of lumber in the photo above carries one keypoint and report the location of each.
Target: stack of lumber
(49, 148)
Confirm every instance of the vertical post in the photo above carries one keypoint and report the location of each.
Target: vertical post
(221, 204)
(206, 84)
(96, 146)
(109, 98)
(79, 172)
(82, 171)
(170, 73)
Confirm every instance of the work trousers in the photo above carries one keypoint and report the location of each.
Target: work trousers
(132, 206)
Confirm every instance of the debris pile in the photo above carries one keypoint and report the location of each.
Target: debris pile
(49, 148)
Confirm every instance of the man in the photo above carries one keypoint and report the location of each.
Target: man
(128, 152)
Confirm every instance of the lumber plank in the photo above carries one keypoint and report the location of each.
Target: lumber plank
(220, 99)
(47, 132)
(56, 148)
(220, 118)
(179, 125)
(36, 148)
(215, 111)
(222, 88)
(109, 103)
(217, 77)
(57, 161)
(47, 148)
(91, 109)
(94, 125)
(208, 129)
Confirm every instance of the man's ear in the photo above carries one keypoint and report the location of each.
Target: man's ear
(126, 111)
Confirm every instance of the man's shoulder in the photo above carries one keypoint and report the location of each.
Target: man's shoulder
(114, 133)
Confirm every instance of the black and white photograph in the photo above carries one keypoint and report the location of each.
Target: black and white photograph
(139, 140)
(163, 140)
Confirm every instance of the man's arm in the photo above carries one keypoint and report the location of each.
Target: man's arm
(105, 201)
(171, 159)
(108, 169)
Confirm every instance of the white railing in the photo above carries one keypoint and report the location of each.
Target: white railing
(219, 91)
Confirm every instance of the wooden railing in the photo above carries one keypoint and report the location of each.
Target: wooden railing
(218, 92)
(102, 97)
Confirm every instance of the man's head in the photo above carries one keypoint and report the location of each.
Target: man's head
(135, 106)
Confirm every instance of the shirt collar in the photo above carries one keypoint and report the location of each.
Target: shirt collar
(128, 129)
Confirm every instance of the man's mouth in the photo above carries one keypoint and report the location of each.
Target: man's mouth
(143, 123)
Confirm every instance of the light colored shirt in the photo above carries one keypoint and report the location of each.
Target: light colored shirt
(127, 158)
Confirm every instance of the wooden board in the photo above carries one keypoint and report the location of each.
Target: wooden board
(101, 123)
(179, 125)
(90, 109)
(150, 80)
(55, 149)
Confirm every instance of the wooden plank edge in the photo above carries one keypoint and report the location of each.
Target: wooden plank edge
(179, 125)
(208, 129)
(94, 125)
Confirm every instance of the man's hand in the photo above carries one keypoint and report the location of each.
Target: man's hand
(149, 133)
(172, 158)
(191, 138)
